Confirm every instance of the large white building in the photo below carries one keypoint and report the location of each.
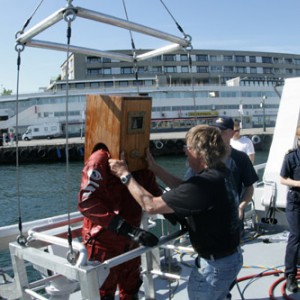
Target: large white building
(198, 84)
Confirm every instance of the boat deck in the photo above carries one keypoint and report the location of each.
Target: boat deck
(261, 277)
(166, 277)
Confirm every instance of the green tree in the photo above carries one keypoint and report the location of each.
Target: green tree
(6, 92)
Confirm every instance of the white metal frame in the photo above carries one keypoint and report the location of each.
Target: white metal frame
(26, 38)
(89, 276)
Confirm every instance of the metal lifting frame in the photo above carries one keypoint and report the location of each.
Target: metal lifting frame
(26, 37)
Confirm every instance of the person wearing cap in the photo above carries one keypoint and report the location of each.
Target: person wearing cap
(241, 168)
(240, 165)
(290, 176)
(242, 142)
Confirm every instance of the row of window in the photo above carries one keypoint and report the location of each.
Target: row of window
(212, 58)
(179, 109)
(155, 95)
(199, 69)
(183, 108)
(59, 114)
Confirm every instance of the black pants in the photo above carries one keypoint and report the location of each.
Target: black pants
(293, 244)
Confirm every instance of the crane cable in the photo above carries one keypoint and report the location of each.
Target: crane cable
(69, 17)
(187, 49)
(135, 67)
(186, 36)
(21, 239)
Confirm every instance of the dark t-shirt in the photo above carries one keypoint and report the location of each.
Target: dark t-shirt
(242, 169)
(210, 204)
(291, 165)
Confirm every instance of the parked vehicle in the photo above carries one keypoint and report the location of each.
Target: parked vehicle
(47, 130)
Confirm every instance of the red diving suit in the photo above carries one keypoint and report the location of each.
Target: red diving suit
(102, 196)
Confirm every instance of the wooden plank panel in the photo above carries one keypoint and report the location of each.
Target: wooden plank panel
(122, 123)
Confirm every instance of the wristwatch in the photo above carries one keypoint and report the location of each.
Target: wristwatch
(126, 178)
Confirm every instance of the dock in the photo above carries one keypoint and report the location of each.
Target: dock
(161, 143)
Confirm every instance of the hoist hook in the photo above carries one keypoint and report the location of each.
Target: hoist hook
(72, 256)
(22, 240)
(19, 47)
(188, 38)
(69, 14)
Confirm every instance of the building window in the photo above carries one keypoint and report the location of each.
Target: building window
(107, 71)
(123, 83)
(266, 60)
(288, 60)
(216, 69)
(94, 85)
(106, 60)
(108, 83)
(94, 71)
(184, 57)
(214, 58)
(157, 69)
(228, 58)
(170, 69)
(267, 70)
(240, 58)
(142, 70)
(126, 70)
(289, 71)
(137, 82)
(252, 59)
(277, 71)
(169, 57)
(297, 61)
(93, 59)
(184, 69)
(80, 85)
(241, 70)
(148, 82)
(253, 70)
(201, 57)
(156, 58)
(202, 69)
(228, 69)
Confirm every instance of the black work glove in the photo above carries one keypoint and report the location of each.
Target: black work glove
(174, 219)
(120, 226)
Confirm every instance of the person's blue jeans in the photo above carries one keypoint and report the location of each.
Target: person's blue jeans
(214, 277)
(293, 244)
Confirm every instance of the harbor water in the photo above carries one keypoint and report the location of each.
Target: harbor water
(36, 191)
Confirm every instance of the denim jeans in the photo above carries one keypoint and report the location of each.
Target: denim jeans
(214, 277)
(293, 244)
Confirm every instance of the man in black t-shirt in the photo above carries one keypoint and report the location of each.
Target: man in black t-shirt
(209, 203)
(239, 164)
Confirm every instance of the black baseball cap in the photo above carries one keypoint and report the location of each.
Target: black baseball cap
(224, 123)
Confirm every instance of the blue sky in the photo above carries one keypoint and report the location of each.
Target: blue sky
(257, 25)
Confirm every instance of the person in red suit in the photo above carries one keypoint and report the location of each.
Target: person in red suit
(111, 224)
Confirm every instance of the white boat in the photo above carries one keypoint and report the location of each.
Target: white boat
(66, 273)
(166, 267)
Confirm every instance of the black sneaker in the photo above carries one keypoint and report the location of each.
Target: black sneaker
(291, 283)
